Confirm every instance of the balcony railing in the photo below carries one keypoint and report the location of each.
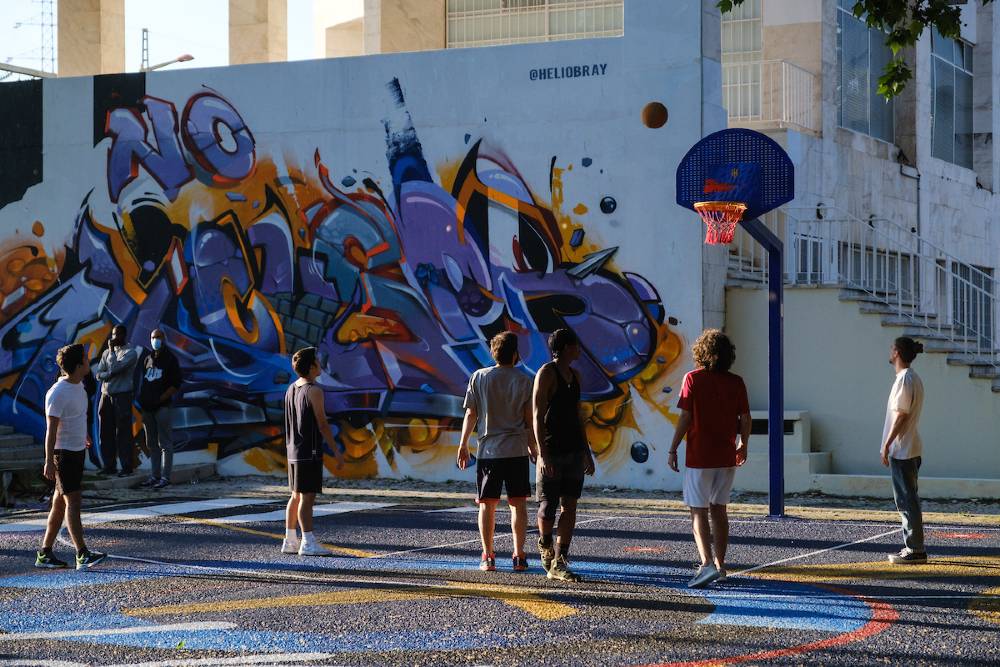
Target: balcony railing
(766, 94)
(921, 284)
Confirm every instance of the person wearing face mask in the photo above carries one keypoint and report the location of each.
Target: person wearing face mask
(161, 378)
(114, 371)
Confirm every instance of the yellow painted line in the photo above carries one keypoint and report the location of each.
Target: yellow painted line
(987, 605)
(531, 603)
(950, 566)
(344, 551)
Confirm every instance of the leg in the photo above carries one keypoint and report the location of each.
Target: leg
(306, 502)
(702, 533)
(567, 522)
(292, 512)
(123, 430)
(487, 524)
(163, 416)
(720, 533)
(109, 445)
(73, 523)
(56, 514)
(904, 491)
(519, 523)
(150, 426)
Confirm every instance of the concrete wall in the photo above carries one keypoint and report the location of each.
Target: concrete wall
(346, 39)
(91, 37)
(258, 31)
(836, 368)
(395, 26)
(395, 212)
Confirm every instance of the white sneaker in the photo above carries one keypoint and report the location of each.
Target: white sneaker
(312, 549)
(706, 575)
(289, 546)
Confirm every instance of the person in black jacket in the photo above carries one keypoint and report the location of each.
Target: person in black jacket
(161, 378)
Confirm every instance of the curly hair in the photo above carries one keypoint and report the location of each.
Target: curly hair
(713, 350)
(503, 347)
(69, 358)
(303, 360)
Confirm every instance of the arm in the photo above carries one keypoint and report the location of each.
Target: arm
(540, 396)
(529, 417)
(51, 427)
(102, 366)
(468, 425)
(741, 450)
(683, 424)
(898, 426)
(589, 465)
(126, 363)
(319, 410)
(174, 382)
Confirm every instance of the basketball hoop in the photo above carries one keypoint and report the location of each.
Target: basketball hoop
(721, 218)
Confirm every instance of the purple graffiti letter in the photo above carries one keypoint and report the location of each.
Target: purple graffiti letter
(217, 137)
(130, 148)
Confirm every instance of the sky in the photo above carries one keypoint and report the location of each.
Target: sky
(198, 27)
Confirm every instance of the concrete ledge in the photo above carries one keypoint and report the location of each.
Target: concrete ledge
(181, 474)
(880, 486)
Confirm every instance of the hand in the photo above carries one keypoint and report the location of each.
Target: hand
(672, 461)
(90, 442)
(547, 470)
(463, 457)
(741, 454)
(588, 465)
(49, 471)
(885, 456)
(532, 455)
(338, 458)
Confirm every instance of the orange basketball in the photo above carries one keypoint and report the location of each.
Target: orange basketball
(654, 115)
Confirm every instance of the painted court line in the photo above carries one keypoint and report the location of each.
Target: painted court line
(259, 659)
(153, 511)
(325, 509)
(103, 632)
(757, 568)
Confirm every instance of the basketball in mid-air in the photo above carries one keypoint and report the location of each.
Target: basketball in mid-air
(654, 115)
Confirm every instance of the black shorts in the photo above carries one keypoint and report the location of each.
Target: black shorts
(566, 480)
(305, 476)
(493, 474)
(69, 470)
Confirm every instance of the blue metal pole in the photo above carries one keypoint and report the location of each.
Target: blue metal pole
(775, 364)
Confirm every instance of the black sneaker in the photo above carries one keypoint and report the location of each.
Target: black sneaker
(125, 473)
(89, 559)
(148, 482)
(48, 561)
(907, 557)
(547, 554)
(560, 570)
(161, 484)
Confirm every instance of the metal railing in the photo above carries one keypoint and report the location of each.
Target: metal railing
(770, 93)
(886, 264)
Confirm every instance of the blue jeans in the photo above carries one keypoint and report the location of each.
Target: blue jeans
(904, 492)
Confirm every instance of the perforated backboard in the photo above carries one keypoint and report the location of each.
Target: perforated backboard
(736, 165)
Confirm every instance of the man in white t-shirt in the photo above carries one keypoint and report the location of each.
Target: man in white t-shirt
(498, 409)
(65, 449)
(902, 449)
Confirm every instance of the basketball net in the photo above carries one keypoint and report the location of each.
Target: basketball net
(721, 218)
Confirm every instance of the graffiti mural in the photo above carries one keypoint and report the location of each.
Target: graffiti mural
(242, 255)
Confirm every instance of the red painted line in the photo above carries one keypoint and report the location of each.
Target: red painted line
(644, 550)
(958, 536)
(883, 615)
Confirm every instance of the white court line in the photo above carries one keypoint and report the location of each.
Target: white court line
(104, 632)
(263, 658)
(747, 571)
(150, 512)
(318, 510)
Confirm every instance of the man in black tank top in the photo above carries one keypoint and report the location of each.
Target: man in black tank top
(306, 428)
(564, 454)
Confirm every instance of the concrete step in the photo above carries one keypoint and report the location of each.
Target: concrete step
(181, 474)
(896, 320)
(865, 297)
(966, 359)
(6, 430)
(14, 440)
(880, 486)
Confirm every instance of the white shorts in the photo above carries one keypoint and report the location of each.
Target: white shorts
(708, 486)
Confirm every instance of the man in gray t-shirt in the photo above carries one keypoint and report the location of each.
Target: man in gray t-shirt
(498, 409)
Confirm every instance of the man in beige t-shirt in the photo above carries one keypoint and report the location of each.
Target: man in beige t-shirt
(902, 448)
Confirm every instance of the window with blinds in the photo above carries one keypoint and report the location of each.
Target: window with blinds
(492, 22)
(861, 58)
(951, 83)
(742, 52)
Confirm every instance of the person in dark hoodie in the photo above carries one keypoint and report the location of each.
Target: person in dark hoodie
(161, 378)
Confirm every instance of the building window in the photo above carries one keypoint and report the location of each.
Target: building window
(973, 302)
(492, 22)
(742, 51)
(951, 82)
(861, 58)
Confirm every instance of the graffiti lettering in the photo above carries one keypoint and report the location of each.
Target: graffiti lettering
(218, 138)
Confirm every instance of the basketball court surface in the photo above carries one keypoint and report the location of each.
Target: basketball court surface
(202, 581)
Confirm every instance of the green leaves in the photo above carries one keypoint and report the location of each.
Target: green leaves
(903, 22)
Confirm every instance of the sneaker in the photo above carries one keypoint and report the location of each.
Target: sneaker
(149, 481)
(289, 546)
(312, 549)
(547, 555)
(907, 557)
(560, 570)
(89, 559)
(125, 473)
(520, 563)
(48, 561)
(488, 563)
(706, 575)
(722, 578)
(163, 483)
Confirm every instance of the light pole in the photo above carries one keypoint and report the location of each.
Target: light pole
(179, 59)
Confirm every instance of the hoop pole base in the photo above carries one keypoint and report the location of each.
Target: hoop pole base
(775, 364)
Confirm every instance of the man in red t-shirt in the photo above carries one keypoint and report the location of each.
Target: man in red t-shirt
(714, 409)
